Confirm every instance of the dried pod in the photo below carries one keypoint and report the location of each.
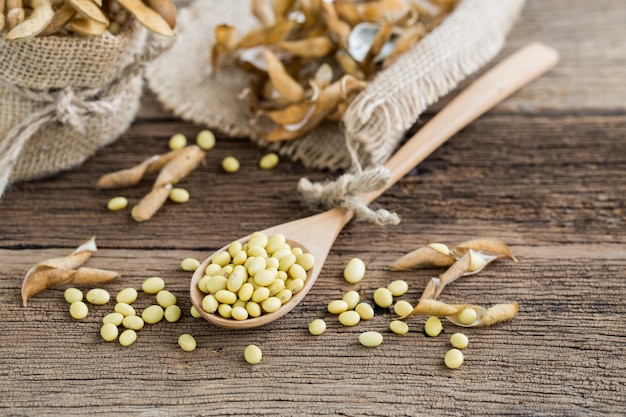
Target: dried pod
(15, 13)
(380, 10)
(337, 27)
(281, 8)
(404, 42)
(75, 259)
(267, 36)
(423, 257)
(151, 203)
(2, 18)
(499, 313)
(491, 246)
(225, 42)
(62, 16)
(87, 27)
(347, 11)
(315, 47)
(349, 65)
(180, 166)
(166, 9)
(40, 17)
(147, 17)
(457, 270)
(131, 176)
(264, 13)
(380, 46)
(89, 10)
(480, 315)
(289, 88)
(430, 307)
(93, 276)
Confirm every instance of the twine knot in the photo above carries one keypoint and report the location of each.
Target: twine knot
(346, 192)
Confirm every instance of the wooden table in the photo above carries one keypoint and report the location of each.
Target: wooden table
(544, 172)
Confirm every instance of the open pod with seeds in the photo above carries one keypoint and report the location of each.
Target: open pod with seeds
(65, 270)
(295, 39)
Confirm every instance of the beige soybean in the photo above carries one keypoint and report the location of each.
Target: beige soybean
(317, 327)
(128, 337)
(454, 358)
(399, 327)
(352, 298)
(306, 260)
(284, 296)
(165, 298)
(398, 287)
(349, 318)
(221, 258)
(79, 310)
(459, 340)
(194, 313)
(212, 269)
(239, 313)
(253, 354)
(275, 242)
(354, 270)
(225, 310)
(296, 271)
(365, 311)
(371, 339)
(403, 308)
(467, 316)
(260, 294)
(265, 277)
(73, 294)
(476, 261)
(205, 140)
(209, 303)
(337, 307)
(276, 287)
(295, 285)
(152, 314)
(127, 295)
(271, 305)
(133, 322)
(113, 318)
(109, 332)
(117, 203)
(433, 326)
(253, 309)
(98, 296)
(269, 161)
(189, 264)
(172, 313)
(179, 195)
(216, 283)
(234, 248)
(440, 247)
(383, 297)
(124, 309)
(187, 342)
(226, 297)
(177, 141)
(153, 285)
(230, 164)
(246, 291)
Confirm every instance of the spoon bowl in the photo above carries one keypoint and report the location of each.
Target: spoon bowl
(316, 234)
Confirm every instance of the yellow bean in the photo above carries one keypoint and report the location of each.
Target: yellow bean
(189, 264)
(352, 298)
(399, 327)
(297, 272)
(365, 311)
(177, 141)
(109, 332)
(79, 310)
(253, 309)
(187, 342)
(113, 318)
(383, 297)
(225, 310)
(349, 318)
(269, 161)
(98, 296)
(124, 309)
(209, 303)
(133, 322)
(128, 337)
(73, 294)
(153, 285)
(253, 354)
(459, 340)
(440, 247)
(371, 339)
(317, 327)
(226, 297)
(271, 305)
(467, 316)
(239, 313)
(337, 306)
(230, 164)
(403, 308)
(454, 358)
(117, 203)
(205, 140)
(194, 313)
(354, 271)
(127, 295)
(165, 298)
(398, 287)
(152, 314)
(172, 313)
(433, 326)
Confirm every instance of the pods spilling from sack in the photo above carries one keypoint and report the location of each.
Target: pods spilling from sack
(28, 18)
(310, 58)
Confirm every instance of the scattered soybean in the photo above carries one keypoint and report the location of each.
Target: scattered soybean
(189, 264)
(98, 296)
(354, 270)
(253, 354)
(128, 337)
(153, 285)
(117, 203)
(459, 340)
(73, 294)
(317, 327)
(187, 342)
(79, 310)
(433, 326)
(454, 358)
(371, 339)
(205, 140)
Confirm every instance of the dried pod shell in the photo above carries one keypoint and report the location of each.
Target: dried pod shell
(87, 27)
(151, 203)
(166, 9)
(430, 307)
(147, 17)
(132, 176)
(289, 88)
(315, 47)
(267, 36)
(499, 313)
(89, 10)
(480, 315)
(491, 246)
(423, 257)
(337, 27)
(376, 11)
(62, 16)
(264, 13)
(457, 270)
(180, 165)
(15, 13)
(75, 259)
(281, 8)
(93, 276)
(40, 17)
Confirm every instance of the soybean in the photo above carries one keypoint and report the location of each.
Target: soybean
(127, 295)
(165, 298)
(454, 358)
(178, 195)
(190, 264)
(152, 314)
(383, 297)
(399, 327)
(371, 339)
(354, 270)
(133, 322)
(153, 285)
(187, 342)
(172, 313)
(459, 340)
(79, 310)
(398, 287)
(194, 313)
(113, 318)
(317, 327)
(476, 261)
(352, 298)
(365, 311)
(128, 337)
(403, 308)
(230, 164)
(433, 326)
(117, 203)
(253, 354)
(98, 296)
(349, 318)
(440, 247)
(205, 140)
(109, 332)
(337, 306)
(269, 161)
(177, 141)
(467, 316)
(209, 303)
(73, 294)
(239, 313)
(124, 309)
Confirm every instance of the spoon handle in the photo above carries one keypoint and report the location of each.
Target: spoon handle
(495, 85)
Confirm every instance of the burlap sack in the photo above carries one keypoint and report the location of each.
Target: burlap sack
(375, 122)
(62, 98)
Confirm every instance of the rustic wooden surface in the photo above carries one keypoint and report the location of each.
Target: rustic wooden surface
(544, 172)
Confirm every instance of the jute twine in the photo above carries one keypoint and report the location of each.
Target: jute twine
(376, 121)
(62, 98)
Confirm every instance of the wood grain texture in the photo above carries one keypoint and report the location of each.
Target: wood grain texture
(544, 172)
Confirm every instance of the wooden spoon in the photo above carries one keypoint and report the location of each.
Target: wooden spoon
(316, 234)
